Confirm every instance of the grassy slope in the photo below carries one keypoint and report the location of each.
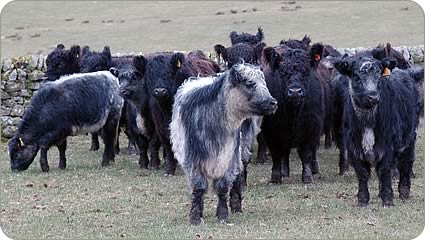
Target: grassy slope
(124, 201)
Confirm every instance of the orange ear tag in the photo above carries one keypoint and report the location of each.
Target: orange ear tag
(387, 72)
(316, 57)
(178, 64)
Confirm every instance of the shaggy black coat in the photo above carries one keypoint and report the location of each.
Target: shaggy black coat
(393, 123)
(298, 122)
(162, 74)
(73, 105)
(62, 62)
(246, 37)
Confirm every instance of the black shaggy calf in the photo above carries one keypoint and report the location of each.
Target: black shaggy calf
(72, 105)
(92, 61)
(162, 74)
(246, 37)
(206, 135)
(298, 123)
(380, 119)
(62, 62)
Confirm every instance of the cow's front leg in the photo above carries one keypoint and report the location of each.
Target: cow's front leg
(43, 159)
(221, 187)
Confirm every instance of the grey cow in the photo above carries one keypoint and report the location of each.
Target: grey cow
(206, 132)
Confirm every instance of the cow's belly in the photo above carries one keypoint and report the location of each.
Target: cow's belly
(90, 127)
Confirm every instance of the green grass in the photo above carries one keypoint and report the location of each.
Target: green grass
(123, 201)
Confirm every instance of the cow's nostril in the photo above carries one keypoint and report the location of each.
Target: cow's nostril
(273, 102)
(160, 91)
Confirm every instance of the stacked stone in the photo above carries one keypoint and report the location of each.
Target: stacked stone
(21, 77)
(412, 54)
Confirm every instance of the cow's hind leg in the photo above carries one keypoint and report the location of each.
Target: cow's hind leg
(94, 141)
(405, 164)
(110, 135)
(199, 188)
(62, 157)
(261, 149)
(170, 161)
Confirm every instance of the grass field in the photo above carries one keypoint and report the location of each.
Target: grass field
(123, 201)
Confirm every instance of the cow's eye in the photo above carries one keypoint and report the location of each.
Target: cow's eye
(250, 84)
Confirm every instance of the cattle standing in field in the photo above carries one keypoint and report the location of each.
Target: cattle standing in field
(298, 123)
(246, 37)
(339, 85)
(162, 74)
(380, 118)
(92, 61)
(133, 89)
(72, 105)
(62, 62)
(206, 132)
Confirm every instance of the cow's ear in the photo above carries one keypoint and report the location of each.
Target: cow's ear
(220, 50)
(388, 64)
(258, 50)
(139, 62)
(60, 46)
(343, 67)
(306, 40)
(260, 34)
(316, 54)
(75, 51)
(177, 60)
(85, 50)
(233, 35)
(114, 71)
(272, 57)
(107, 52)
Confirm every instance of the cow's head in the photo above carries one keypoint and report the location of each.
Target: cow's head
(159, 73)
(249, 91)
(381, 52)
(294, 69)
(62, 62)
(132, 84)
(92, 61)
(240, 52)
(365, 74)
(21, 153)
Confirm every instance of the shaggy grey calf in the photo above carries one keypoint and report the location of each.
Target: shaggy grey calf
(206, 132)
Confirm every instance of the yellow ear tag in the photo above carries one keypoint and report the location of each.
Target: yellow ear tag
(178, 64)
(21, 142)
(387, 72)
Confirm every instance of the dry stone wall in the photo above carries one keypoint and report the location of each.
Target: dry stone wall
(21, 77)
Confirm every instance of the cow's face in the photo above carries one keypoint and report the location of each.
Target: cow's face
(250, 91)
(365, 73)
(21, 153)
(293, 68)
(131, 80)
(92, 61)
(62, 62)
(159, 74)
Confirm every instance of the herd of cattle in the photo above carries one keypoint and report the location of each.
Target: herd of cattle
(207, 118)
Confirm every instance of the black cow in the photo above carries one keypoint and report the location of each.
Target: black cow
(380, 119)
(92, 61)
(163, 73)
(62, 62)
(72, 105)
(246, 37)
(293, 80)
(133, 89)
